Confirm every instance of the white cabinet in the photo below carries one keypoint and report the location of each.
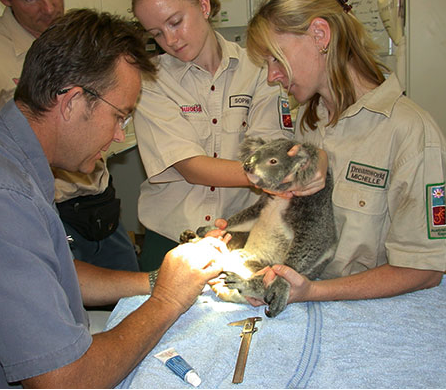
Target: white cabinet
(235, 13)
(426, 56)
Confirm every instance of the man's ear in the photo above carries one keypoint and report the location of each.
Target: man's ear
(68, 101)
(321, 32)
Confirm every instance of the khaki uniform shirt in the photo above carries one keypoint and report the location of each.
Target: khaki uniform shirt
(389, 162)
(188, 112)
(15, 41)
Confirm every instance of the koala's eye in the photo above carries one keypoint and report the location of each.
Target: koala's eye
(273, 161)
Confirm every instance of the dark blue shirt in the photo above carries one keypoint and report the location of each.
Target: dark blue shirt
(43, 323)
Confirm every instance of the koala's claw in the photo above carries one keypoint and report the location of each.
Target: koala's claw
(269, 298)
(187, 236)
(233, 281)
(276, 297)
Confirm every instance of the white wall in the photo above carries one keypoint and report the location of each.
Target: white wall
(426, 65)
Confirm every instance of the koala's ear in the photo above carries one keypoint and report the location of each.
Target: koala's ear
(249, 146)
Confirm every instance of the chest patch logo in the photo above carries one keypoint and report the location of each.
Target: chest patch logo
(195, 108)
(367, 175)
(436, 220)
(240, 101)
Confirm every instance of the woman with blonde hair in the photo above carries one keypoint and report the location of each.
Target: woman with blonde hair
(386, 153)
(207, 98)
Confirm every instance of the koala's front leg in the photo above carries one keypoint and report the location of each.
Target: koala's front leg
(244, 220)
(276, 296)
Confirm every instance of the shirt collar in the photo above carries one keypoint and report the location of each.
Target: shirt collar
(21, 39)
(35, 161)
(381, 99)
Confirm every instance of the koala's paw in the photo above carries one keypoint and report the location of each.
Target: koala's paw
(202, 230)
(227, 294)
(187, 236)
(234, 281)
(250, 287)
(276, 297)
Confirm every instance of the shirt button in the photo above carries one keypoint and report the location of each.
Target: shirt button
(214, 121)
(207, 218)
(213, 88)
(361, 203)
(212, 188)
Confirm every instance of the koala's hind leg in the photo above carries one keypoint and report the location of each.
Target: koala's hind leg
(252, 287)
(276, 296)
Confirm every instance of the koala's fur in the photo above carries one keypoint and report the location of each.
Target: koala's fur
(299, 232)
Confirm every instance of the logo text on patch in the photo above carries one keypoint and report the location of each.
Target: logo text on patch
(240, 101)
(366, 174)
(192, 108)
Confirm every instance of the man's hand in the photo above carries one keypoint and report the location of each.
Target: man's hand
(186, 269)
(219, 231)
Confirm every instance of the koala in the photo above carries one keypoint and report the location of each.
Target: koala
(298, 232)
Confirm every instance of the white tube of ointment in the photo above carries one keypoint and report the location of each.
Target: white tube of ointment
(179, 366)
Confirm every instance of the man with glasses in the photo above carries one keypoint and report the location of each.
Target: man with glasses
(79, 85)
(86, 202)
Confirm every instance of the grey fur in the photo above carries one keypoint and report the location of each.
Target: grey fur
(299, 232)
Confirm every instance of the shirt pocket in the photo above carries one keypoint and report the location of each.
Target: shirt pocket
(200, 123)
(361, 223)
(366, 201)
(236, 121)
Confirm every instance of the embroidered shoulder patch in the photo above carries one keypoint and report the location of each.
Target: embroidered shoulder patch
(366, 174)
(286, 122)
(435, 202)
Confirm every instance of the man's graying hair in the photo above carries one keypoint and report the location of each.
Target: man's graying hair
(81, 48)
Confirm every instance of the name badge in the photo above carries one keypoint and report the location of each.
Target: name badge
(240, 101)
(367, 175)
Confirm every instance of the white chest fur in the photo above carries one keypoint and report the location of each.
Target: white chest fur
(270, 236)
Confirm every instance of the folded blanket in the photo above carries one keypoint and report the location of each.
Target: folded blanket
(387, 343)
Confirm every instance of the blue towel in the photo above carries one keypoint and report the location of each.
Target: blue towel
(387, 343)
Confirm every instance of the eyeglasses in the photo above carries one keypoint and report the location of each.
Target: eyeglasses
(123, 121)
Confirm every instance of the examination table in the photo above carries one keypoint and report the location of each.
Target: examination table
(397, 342)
